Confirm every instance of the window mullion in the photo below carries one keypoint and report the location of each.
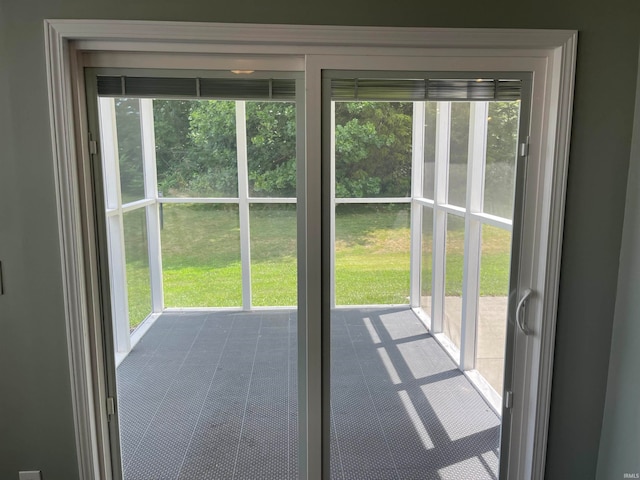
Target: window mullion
(119, 297)
(478, 113)
(109, 152)
(243, 203)
(443, 140)
(115, 227)
(152, 211)
(417, 149)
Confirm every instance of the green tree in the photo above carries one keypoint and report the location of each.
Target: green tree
(502, 142)
(129, 148)
(502, 138)
(196, 146)
(173, 143)
(213, 166)
(373, 149)
(459, 142)
(271, 148)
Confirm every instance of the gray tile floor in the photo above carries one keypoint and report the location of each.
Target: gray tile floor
(214, 396)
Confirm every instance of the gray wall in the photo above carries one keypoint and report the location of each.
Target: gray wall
(36, 418)
(35, 412)
(620, 441)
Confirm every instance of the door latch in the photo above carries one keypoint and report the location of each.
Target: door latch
(521, 306)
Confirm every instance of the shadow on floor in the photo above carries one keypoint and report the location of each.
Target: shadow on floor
(213, 395)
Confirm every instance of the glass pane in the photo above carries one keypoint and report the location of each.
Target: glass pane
(458, 153)
(454, 265)
(218, 388)
(196, 148)
(502, 146)
(137, 260)
(387, 373)
(201, 255)
(373, 149)
(273, 255)
(271, 149)
(372, 254)
(129, 149)
(174, 150)
(492, 307)
(429, 149)
(427, 259)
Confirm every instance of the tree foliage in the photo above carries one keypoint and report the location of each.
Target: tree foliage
(502, 135)
(196, 146)
(212, 168)
(173, 143)
(129, 149)
(373, 149)
(271, 148)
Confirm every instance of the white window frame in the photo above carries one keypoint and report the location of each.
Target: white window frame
(124, 340)
(472, 213)
(550, 54)
(475, 218)
(115, 210)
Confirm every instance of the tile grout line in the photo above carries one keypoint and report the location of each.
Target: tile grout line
(139, 372)
(169, 330)
(444, 434)
(204, 401)
(167, 391)
(243, 434)
(375, 408)
(487, 467)
(335, 430)
(395, 346)
(332, 416)
(289, 374)
(246, 403)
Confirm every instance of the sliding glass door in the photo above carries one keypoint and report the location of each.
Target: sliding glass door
(213, 353)
(421, 191)
(199, 180)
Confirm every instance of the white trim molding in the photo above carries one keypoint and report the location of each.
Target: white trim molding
(63, 136)
(212, 37)
(74, 44)
(564, 64)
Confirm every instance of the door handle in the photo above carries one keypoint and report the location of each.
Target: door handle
(521, 306)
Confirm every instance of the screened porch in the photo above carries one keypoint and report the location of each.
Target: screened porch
(202, 225)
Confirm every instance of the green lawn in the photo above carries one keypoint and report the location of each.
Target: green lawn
(137, 264)
(372, 254)
(202, 268)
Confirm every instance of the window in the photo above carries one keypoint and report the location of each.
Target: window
(200, 193)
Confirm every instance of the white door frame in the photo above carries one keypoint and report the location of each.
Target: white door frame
(550, 55)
